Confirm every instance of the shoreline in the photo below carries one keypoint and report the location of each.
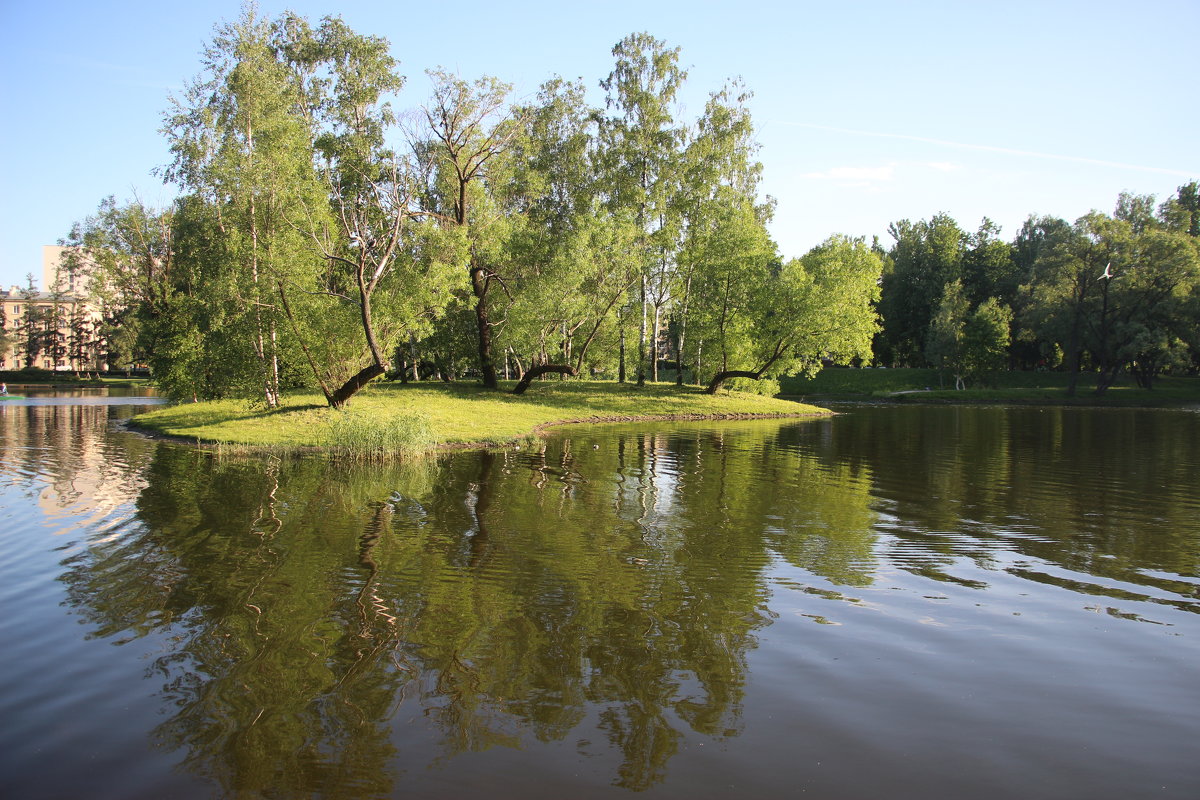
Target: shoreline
(537, 431)
(399, 419)
(939, 397)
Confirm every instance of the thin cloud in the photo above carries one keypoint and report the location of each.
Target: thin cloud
(992, 149)
(855, 175)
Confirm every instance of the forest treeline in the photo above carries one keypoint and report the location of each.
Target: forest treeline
(1107, 293)
(322, 239)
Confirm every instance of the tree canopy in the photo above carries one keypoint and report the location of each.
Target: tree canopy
(321, 238)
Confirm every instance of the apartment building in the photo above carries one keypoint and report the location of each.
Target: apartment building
(58, 329)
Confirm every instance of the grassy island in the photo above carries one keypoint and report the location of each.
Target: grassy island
(388, 418)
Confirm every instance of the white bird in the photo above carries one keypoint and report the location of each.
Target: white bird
(1107, 271)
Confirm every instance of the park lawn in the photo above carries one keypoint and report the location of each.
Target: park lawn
(457, 414)
(925, 385)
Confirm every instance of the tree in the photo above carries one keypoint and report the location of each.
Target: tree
(989, 269)
(571, 260)
(944, 345)
(470, 127)
(31, 328)
(1143, 316)
(797, 316)
(6, 338)
(1137, 211)
(378, 256)
(925, 257)
(1181, 213)
(1063, 283)
(718, 169)
(238, 143)
(1032, 242)
(1119, 295)
(985, 339)
(640, 145)
(129, 252)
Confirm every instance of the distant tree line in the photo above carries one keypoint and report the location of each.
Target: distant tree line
(322, 239)
(1107, 293)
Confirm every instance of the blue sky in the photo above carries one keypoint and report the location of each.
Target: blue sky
(867, 112)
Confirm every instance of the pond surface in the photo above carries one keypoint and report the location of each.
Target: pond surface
(900, 602)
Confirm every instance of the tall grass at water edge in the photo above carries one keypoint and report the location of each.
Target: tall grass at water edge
(358, 437)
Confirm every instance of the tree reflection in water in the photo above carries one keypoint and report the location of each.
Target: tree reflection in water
(324, 621)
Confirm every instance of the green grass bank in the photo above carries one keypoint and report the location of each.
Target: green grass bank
(44, 378)
(1043, 388)
(386, 418)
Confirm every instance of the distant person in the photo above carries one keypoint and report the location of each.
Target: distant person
(3, 388)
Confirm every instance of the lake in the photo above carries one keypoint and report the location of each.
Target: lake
(900, 601)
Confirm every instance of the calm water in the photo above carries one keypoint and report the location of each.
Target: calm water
(902, 602)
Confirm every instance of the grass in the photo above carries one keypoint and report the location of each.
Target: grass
(364, 438)
(388, 417)
(70, 379)
(1008, 387)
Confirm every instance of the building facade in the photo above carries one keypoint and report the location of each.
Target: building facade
(60, 329)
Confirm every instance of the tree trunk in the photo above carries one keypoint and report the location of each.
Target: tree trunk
(654, 343)
(312, 362)
(721, 377)
(1143, 371)
(641, 368)
(1074, 338)
(679, 355)
(487, 366)
(356, 382)
(621, 337)
(725, 374)
(1107, 377)
(539, 371)
(416, 357)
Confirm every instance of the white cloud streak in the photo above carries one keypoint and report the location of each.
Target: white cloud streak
(855, 174)
(993, 149)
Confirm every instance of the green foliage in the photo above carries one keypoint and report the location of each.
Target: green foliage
(835, 320)
(925, 257)
(309, 250)
(985, 339)
(1181, 214)
(944, 344)
(1120, 290)
(968, 344)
